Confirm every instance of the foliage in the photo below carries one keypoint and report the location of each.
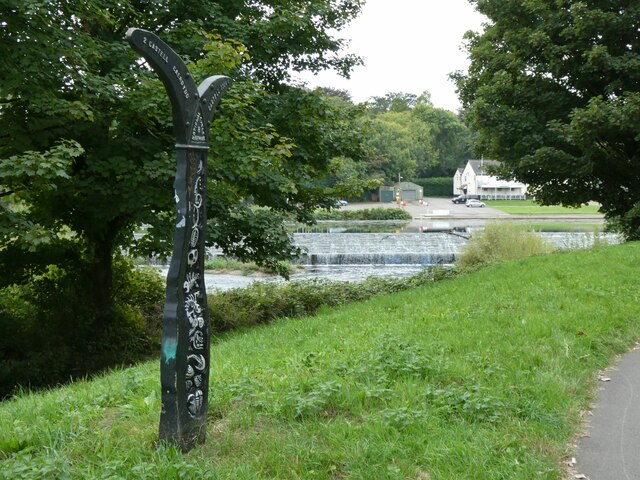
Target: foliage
(264, 302)
(364, 214)
(398, 102)
(422, 383)
(553, 91)
(436, 186)
(224, 264)
(399, 143)
(409, 136)
(85, 143)
(452, 141)
(500, 242)
(47, 336)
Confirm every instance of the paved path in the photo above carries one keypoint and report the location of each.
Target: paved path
(611, 451)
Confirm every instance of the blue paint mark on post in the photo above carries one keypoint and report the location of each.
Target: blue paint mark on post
(169, 348)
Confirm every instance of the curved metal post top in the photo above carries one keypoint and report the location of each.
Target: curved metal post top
(193, 107)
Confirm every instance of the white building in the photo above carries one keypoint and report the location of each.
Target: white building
(474, 179)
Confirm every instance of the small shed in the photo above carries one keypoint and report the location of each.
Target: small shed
(386, 194)
(408, 191)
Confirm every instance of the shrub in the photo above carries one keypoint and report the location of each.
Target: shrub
(224, 264)
(364, 214)
(500, 242)
(436, 186)
(48, 336)
(264, 302)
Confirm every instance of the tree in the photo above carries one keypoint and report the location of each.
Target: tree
(452, 141)
(553, 91)
(399, 142)
(398, 102)
(85, 134)
(408, 135)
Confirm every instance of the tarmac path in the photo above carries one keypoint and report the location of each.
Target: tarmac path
(611, 448)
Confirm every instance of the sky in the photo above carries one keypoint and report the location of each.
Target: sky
(408, 46)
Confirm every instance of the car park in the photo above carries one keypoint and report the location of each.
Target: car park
(471, 203)
(464, 198)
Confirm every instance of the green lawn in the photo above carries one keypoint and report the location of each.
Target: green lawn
(527, 207)
(552, 226)
(483, 376)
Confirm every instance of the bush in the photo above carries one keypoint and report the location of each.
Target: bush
(499, 242)
(225, 264)
(262, 303)
(364, 214)
(436, 186)
(47, 335)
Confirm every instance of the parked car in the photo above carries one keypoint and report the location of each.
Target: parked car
(464, 198)
(475, 203)
(341, 203)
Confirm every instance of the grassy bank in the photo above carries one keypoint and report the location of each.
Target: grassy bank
(482, 376)
(527, 207)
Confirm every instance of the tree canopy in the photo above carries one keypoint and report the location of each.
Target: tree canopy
(553, 91)
(410, 137)
(86, 147)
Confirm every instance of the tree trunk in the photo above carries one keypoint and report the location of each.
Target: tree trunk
(101, 278)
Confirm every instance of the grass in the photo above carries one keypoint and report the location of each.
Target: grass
(483, 376)
(222, 264)
(595, 226)
(501, 241)
(527, 207)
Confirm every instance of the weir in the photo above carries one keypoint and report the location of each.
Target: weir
(378, 248)
(411, 248)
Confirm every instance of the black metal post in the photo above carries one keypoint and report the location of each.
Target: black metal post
(184, 359)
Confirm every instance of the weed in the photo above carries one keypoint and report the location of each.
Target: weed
(499, 242)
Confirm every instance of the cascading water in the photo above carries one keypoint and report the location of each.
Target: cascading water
(356, 256)
(378, 248)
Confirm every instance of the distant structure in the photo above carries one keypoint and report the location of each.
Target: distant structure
(475, 179)
(400, 191)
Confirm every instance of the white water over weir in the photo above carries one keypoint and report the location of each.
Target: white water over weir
(378, 248)
(409, 248)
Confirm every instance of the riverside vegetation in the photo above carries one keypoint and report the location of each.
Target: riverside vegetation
(48, 336)
(484, 376)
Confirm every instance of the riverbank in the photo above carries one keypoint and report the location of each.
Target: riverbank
(427, 383)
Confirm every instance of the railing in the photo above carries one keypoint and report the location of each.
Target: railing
(503, 197)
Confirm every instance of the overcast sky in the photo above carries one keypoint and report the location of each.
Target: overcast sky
(408, 46)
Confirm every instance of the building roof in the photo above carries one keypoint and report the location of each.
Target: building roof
(479, 166)
(407, 186)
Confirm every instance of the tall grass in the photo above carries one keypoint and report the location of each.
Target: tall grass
(499, 242)
(483, 376)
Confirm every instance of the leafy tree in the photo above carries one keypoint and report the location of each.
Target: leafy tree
(408, 135)
(452, 141)
(398, 102)
(86, 148)
(554, 92)
(399, 142)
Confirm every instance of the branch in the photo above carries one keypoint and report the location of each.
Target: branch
(7, 193)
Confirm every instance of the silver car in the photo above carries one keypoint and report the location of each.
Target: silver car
(475, 203)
